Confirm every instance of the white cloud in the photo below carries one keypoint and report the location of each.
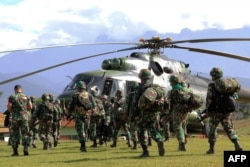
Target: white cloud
(27, 24)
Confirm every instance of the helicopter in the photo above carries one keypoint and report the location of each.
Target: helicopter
(119, 73)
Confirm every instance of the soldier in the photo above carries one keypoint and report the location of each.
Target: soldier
(119, 118)
(149, 119)
(19, 105)
(106, 129)
(179, 109)
(96, 118)
(133, 119)
(44, 114)
(217, 116)
(57, 121)
(34, 123)
(81, 107)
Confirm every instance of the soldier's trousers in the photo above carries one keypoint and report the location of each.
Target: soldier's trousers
(226, 122)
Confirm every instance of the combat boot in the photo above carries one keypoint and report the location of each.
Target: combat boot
(211, 148)
(94, 143)
(182, 147)
(161, 149)
(145, 152)
(134, 145)
(149, 141)
(46, 145)
(114, 144)
(55, 141)
(237, 145)
(83, 147)
(34, 144)
(129, 143)
(25, 150)
(15, 152)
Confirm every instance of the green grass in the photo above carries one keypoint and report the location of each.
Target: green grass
(67, 153)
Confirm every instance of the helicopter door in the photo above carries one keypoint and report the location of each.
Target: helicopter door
(107, 86)
(111, 85)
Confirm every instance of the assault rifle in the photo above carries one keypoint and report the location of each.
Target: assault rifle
(201, 116)
(69, 119)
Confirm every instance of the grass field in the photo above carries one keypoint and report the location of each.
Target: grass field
(67, 153)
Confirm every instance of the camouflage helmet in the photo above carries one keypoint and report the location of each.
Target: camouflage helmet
(57, 101)
(94, 90)
(119, 93)
(32, 99)
(216, 72)
(134, 84)
(45, 96)
(51, 97)
(174, 79)
(81, 85)
(145, 74)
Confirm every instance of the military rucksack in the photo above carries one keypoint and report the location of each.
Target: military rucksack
(46, 111)
(195, 101)
(152, 98)
(227, 85)
(83, 98)
(187, 99)
(221, 102)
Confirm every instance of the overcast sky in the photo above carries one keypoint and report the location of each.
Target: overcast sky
(29, 23)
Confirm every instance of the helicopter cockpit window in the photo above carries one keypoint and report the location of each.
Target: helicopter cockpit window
(81, 77)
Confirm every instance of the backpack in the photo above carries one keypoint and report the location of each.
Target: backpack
(187, 99)
(153, 97)
(222, 102)
(227, 85)
(46, 111)
(83, 99)
(195, 101)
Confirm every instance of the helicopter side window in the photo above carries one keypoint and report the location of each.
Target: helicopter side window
(112, 85)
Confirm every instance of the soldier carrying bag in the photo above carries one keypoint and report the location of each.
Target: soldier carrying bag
(152, 98)
(83, 98)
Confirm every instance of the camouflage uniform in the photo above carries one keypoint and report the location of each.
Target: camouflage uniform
(106, 131)
(119, 118)
(217, 117)
(96, 118)
(57, 121)
(45, 115)
(130, 109)
(19, 105)
(82, 116)
(34, 126)
(149, 119)
(179, 110)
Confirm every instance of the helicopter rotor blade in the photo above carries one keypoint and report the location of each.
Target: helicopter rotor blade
(223, 54)
(69, 45)
(62, 64)
(211, 40)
